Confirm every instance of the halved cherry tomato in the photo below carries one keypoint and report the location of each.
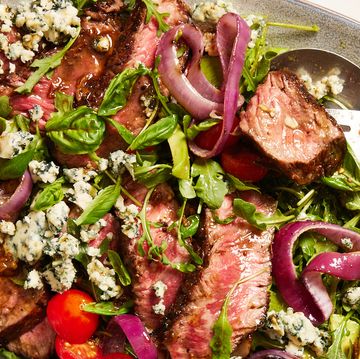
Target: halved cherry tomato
(207, 139)
(117, 356)
(87, 350)
(243, 163)
(68, 320)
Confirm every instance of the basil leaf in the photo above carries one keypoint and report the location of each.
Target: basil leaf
(210, 186)
(186, 189)
(72, 228)
(119, 268)
(125, 134)
(241, 186)
(259, 220)
(107, 308)
(49, 196)
(15, 167)
(5, 354)
(100, 205)
(44, 66)
(79, 131)
(194, 130)
(220, 343)
(63, 102)
(120, 87)
(152, 175)
(5, 108)
(156, 133)
(180, 154)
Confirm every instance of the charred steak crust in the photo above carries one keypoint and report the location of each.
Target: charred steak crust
(287, 124)
(232, 252)
(162, 208)
(20, 309)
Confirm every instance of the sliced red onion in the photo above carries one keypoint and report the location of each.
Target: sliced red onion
(173, 78)
(232, 37)
(272, 354)
(308, 294)
(10, 209)
(137, 336)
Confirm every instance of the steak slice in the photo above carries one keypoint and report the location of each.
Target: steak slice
(232, 251)
(162, 208)
(37, 343)
(296, 133)
(20, 309)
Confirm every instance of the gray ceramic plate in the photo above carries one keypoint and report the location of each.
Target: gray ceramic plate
(337, 33)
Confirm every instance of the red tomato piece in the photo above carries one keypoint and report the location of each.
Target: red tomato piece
(117, 356)
(87, 350)
(207, 139)
(68, 320)
(243, 164)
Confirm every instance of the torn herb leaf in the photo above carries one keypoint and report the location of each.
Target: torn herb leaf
(125, 134)
(49, 196)
(107, 308)
(119, 268)
(5, 108)
(151, 10)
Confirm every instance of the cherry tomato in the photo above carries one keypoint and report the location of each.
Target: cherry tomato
(207, 139)
(87, 350)
(117, 356)
(243, 164)
(68, 320)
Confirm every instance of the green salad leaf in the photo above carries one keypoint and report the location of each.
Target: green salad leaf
(210, 185)
(119, 267)
(107, 308)
(5, 108)
(45, 65)
(151, 11)
(51, 194)
(125, 134)
(5, 354)
(78, 131)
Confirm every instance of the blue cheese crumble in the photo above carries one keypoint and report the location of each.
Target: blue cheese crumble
(120, 160)
(91, 232)
(104, 278)
(211, 12)
(57, 216)
(42, 171)
(7, 227)
(81, 194)
(33, 280)
(74, 175)
(352, 297)
(61, 275)
(130, 225)
(13, 143)
(160, 289)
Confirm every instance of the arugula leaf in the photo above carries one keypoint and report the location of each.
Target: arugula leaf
(119, 268)
(16, 166)
(192, 227)
(5, 354)
(186, 189)
(151, 10)
(180, 154)
(49, 196)
(5, 108)
(348, 177)
(210, 185)
(259, 220)
(77, 132)
(125, 134)
(152, 175)
(107, 308)
(100, 205)
(156, 133)
(45, 65)
(353, 202)
(241, 186)
(120, 87)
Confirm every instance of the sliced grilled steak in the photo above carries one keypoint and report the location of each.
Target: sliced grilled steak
(162, 209)
(37, 343)
(233, 251)
(296, 133)
(20, 309)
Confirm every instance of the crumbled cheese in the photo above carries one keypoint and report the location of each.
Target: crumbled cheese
(91, 232)
(74, 175)
(159, 308)
(28, 242)
(297, 329)
(130, 225)
(93, 251)
(160, 289)
(329, 84)
(104, 278)
(36, 113)
(68, 246)
(12, 67)
(13, 143)
(256, 24)
(211, 12)
(57, 216)
(7, 227)
(61, 276)
(82, 194)
(119, 160)
(42, 171)
(33, 280)
(149, 104)
(103, 164)
(352, 297)
(102, 44)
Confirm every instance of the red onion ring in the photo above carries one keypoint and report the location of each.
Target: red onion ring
(137, 336)
(271, 354)
(232, 33)
(308, 294)
(173, 78)
(11, 208)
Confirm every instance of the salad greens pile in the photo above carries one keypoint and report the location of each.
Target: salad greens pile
(162, 155)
